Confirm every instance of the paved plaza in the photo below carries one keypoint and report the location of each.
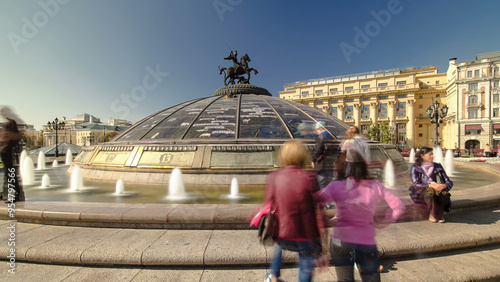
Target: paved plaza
(64, 241)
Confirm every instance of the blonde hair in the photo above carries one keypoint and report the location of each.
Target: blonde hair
(351, 132)
(294, 152)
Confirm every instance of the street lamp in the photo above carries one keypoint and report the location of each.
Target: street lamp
(436, 116)
(56, 125)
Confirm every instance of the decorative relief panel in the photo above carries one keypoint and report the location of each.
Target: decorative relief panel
(152, 158)
(243, 159)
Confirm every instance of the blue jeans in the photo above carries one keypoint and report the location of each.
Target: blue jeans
(365, 256)
(308, 250)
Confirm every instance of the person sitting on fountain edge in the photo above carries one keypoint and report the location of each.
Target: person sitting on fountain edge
(430, 185)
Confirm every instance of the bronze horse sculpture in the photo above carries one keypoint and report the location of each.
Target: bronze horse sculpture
(238, 69)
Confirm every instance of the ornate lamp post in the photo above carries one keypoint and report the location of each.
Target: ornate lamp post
(56, 125)
(436, 116)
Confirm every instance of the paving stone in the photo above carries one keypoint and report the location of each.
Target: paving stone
(124, 247)
(234, 246)
(178, 247)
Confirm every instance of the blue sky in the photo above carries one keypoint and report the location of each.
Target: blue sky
(128, 59)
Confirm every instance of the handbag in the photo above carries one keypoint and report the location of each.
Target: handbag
(270, 227)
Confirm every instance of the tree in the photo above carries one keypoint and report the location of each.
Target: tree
(380, 132)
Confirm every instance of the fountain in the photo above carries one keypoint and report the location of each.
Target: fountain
(389, 177)
(449, 165)
(41, 161)
(412, 155)
(55, 163)
(235, 192)
(69, 157)
(23, 156)
(28, 171)
(120, 188)
(176, 188)
(76, 180)
(438, 155)
(45, 181)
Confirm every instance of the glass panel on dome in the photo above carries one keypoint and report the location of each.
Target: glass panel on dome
(217, 121)
(258, 120)
(136, 132)
(299, 123)
(335, 126)
(175, 125)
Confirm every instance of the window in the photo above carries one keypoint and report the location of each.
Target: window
(333, 111)
(419, 126)
(495, 112)
(333, 90)
(401, 109)
(334, 101)
(401, 96)
(495, 83)
(305, 93)
(472, 113)
(366, 86)
(382, 97)
(382, 84)
(420, 106)
(365, 111)
(495, 71)
(365, 99)
(365, 128)
(420, 84)
(420, 135)
(472, 131)
(469, 73)
(349, 112)
(476, 73)
(437, 82)
(495, 97)
(473, 99)
(401, 132)
(420, 116)
(290, 89)
(318, 92)
(382, 110)
(319, 103)
(420, 97)
(472, 86)
(349, 88)
(402, 82)
(349, 100)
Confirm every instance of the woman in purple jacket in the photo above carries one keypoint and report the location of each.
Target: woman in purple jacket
(430, 185)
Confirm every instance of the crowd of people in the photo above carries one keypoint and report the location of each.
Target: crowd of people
(298, 197)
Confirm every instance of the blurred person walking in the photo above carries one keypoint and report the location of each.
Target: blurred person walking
(353, 237)
(355, 141)
(321, 150)
(290, 192)
(431, 185)
(9, 140)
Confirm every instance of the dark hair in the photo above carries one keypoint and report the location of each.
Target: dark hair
(420, 153)
(359, 169)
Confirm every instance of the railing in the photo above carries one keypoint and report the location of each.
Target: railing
(474, 105)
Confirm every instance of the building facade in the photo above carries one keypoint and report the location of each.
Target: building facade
(478, 101)
(398, 96)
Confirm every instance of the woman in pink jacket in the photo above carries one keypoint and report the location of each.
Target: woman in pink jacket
(353, 237)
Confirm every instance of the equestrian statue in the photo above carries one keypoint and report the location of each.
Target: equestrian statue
(238, 70)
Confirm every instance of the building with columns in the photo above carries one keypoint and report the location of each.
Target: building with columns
(397, 96)
(478, 102)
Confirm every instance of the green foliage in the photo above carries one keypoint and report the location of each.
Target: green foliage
(380, 132)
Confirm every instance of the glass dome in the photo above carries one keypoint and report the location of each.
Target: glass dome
(232, 117)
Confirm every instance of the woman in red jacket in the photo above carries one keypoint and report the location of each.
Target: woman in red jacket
(291, 190)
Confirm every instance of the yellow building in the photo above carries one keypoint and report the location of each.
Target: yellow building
(398, 96)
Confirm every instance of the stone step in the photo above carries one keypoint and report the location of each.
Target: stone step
(112, 246)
